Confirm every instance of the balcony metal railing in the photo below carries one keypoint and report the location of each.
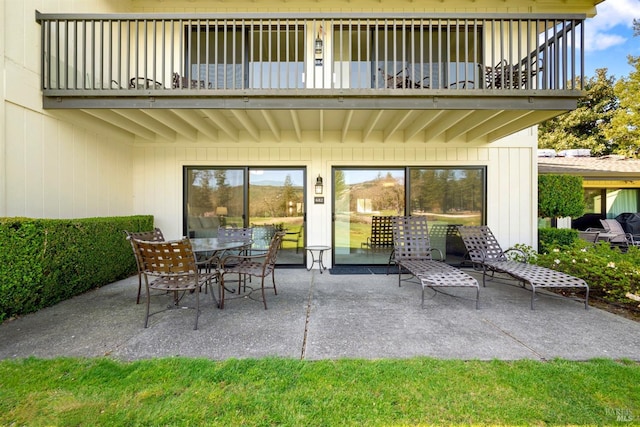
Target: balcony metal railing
(221, 54)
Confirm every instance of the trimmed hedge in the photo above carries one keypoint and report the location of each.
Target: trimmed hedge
(556, 236)
(45, 261)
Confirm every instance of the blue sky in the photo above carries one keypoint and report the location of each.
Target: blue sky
(609, 37)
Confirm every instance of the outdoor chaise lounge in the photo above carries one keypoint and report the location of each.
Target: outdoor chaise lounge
(413, 251)
(485, 252)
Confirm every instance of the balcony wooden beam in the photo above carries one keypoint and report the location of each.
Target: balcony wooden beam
(245, 121)
(148, 122)
(170, 119)
(444, 122)
(220, 121)
(346, 125)
(196, 119)
(273, 126)
(295, 119)
(122, 122)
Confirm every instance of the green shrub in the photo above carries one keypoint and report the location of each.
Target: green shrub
(560, 196)
(608, 272)
(44, 261)
(556, 236)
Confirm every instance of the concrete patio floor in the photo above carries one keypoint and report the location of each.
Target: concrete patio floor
(324, 316)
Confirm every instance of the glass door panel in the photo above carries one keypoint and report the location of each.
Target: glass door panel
(213, 197)
(448, 197)
(276, 202)
(359, 196)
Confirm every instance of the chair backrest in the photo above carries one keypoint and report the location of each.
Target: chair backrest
(166, 258)
(154, 235)
(274, 246)
(589, 236)
(481, 244)
(262, 236)
(612, 226)
(381, 232)
(235, 234)
(411, 238)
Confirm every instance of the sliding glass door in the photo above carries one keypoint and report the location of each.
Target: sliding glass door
(364, 199)
(360, 195)
(267, 199)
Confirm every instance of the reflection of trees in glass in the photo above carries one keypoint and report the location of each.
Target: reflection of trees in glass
(289, 197)
(341, 191)
(446, 190)
(200, 196)
(222, 188)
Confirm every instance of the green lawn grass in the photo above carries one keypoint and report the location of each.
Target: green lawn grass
(274, 391)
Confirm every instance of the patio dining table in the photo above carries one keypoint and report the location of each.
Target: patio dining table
(209, 247)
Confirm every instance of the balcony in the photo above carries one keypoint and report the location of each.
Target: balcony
(484, 66)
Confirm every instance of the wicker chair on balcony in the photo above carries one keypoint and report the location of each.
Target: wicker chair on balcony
(486, 254)
(154, 235)
(260, 265)
(171, 266)
(401, 80)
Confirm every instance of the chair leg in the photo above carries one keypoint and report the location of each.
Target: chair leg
(197, 307)
(139, 288)
(273, 280)
(221, 287)
(146, 318)
(264, 299)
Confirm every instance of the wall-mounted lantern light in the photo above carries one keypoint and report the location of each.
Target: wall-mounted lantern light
(319, 185)
(318, 47)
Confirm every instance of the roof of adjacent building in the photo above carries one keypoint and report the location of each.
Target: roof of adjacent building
(592, 167)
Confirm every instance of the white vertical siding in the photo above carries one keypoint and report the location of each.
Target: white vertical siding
(511, 204)
(53, 167)
(59, 170)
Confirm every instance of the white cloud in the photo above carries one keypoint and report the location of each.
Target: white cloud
(612, 25)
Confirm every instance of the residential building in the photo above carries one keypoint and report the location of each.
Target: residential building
(204, 112)
(611, 184)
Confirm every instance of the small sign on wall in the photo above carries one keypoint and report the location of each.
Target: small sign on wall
(318, 200)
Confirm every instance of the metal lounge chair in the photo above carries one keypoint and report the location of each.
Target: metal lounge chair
(413, 252)
(485, 252)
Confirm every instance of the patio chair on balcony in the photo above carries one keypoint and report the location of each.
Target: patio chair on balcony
(486, 254)
(401, 80)
(144, 83)
(171, 266)
(261, 265)
(179, 82)
(413, 252)
(154, 235)
(508, 76)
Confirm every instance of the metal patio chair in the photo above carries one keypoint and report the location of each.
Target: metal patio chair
(261, 265)
(154, 235)
(171, 266)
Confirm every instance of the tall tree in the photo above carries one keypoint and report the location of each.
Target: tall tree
(585, 126)
(624, 128)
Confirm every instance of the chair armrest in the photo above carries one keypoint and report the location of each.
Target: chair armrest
(439, 253)
(520, 251)
(228, 258)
